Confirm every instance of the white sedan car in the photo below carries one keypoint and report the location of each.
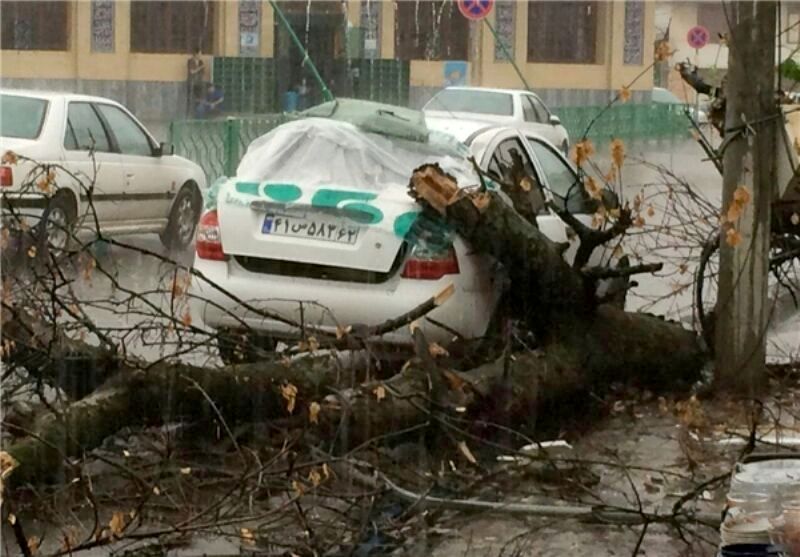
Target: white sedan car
(317, 230)
(139, 185)
(517, 108)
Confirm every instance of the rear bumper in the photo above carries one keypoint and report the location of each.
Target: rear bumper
(326, 304)
(18, 207)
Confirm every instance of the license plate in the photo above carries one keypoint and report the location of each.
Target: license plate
(317, 229)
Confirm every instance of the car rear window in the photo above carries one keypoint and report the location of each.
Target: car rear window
(479, 102)
(21, 117)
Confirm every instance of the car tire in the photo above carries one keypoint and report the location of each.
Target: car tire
(183, 219)
(235, 347)
(56, 226)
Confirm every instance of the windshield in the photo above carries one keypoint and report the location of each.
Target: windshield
(21, 117)
(480, 102)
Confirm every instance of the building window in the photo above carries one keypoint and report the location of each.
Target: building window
(562, 32)
(792, 25)
(711, 15)
(370, 27)
(633, 52)
(504, 22)
(34, 25)
(172, 27)
(430, 30)
(102, 26)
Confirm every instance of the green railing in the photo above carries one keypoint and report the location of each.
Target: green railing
(625, 121)
(218, 145)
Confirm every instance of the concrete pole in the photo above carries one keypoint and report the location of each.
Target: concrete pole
(748, 182)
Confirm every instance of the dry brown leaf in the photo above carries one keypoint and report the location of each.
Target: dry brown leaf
(733, 214)
(437, 350)
(455, 380)
(651, 211)
(7, 464)
(289, 393)
(325, 471)
(186, 470)
(741, 195)
(314, 477)
(582, 151)
(32, 252)
(313, 412)
(462, 446)
(186, 318)
(380, 392)
(663, 51)
(444, 295)
(618, 152)
(117, 523)
(10, 157)
(248, 538)
(298, 488)
(592, 188)
(638, 221)
(624, 93)
(33, 544)
(733, 238)
(342, 332)
(12, 518)
(481, 201)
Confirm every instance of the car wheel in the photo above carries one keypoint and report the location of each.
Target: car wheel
(237, 347)
(56, 227)
(183, 218)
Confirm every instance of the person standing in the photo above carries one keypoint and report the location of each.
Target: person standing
(194, 81)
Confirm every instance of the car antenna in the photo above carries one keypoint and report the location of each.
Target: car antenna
(326, 93)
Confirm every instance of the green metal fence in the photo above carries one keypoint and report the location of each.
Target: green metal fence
(625, 121)
(218, 145)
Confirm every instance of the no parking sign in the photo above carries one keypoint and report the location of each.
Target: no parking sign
(475, 9)
(697, 37)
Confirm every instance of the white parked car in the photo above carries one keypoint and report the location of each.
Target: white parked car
(665, 96)
(139, 185)
(518, 108)
(314, 229)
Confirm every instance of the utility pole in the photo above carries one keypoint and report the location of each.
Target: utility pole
(749, 180)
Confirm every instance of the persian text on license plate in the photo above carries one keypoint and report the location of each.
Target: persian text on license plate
(337, 232)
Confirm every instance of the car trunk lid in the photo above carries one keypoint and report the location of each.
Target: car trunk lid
(330, 226)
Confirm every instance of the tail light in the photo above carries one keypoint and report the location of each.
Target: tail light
(6, 176)
(209, 239)
(430, 264)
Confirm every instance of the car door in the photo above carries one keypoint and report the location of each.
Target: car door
(499, 164)
(567, 191)
(89, 155)
(149, 184)
(537, 119)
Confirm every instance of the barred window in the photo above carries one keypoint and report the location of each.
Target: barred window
(34, 25)
(505, 17)
(172, 27)
(562, 32)
(431, 30)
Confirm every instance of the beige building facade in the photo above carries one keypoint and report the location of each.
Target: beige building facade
(571, 53)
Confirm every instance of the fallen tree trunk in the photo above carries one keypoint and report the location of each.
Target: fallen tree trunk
(583, 344)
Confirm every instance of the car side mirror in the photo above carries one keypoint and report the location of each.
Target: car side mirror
(555, 120)
(164, 149)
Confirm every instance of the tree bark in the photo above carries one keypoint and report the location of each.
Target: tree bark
(749, 165)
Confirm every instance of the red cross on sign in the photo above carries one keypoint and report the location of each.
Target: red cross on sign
(697, 37)
(475, 9)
